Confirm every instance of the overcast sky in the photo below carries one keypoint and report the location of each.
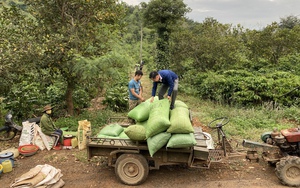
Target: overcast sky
(252, 14)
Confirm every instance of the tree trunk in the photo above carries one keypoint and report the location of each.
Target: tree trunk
(162, 46)
(69, 98)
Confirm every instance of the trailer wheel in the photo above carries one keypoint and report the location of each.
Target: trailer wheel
(288, 171)
(132, 169)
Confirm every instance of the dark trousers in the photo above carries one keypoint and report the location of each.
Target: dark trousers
(164, 89)
(58, 133)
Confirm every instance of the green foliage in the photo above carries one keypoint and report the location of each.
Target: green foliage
(81, 99)
(289, 22)
(97, 119)
(291, 114)
(208, 46)
(163, 15)
(3, 111)
(290, 63)
(272, 43)
(27, 97)
(16, 50)
(245, 123)
(243, 88)
(24, 99)
(116, 98)
(85, 48)
(162, 58)
(68, 30)
(70, 122)
(55, 93)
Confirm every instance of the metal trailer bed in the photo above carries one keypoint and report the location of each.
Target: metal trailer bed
(132, 160)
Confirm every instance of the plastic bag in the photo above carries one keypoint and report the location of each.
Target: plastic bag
(84, 129)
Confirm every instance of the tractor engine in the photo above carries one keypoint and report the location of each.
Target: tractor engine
(281, 149)
(288, 140)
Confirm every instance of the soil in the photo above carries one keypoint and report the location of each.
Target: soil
(79, 172)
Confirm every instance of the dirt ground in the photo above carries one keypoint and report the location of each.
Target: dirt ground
(78, 172)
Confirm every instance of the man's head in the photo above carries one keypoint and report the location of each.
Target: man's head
(154, 76)
(47, 109)
(138, 74)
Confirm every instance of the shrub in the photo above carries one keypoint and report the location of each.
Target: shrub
(116, 98)
(243, 88)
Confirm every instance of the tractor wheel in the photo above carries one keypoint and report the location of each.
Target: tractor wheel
(288, 171)
(132, 169)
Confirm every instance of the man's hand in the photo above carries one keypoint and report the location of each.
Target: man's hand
(169, 98)
(152, 99)
(141, 97)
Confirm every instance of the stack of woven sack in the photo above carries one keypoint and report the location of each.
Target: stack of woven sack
(161, 127)
(135, 132)
(45, 176)
(113, 130)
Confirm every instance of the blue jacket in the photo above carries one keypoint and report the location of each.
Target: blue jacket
(168, 78)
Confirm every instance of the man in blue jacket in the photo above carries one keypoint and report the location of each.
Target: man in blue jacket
(168, 79)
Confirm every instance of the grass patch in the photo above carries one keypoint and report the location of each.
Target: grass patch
(97, 119)
(245, 123)
(81, 156)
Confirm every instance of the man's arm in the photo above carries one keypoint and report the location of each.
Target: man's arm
(132, 90)
(141, 90)
(154, 89)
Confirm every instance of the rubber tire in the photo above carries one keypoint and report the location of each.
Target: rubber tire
(288, 170)
(132, 169)
(4, 134)
(264, 136)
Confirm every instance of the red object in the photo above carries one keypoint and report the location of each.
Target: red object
(67, 142)
(57, 147)
(28, 150)
(291, 135)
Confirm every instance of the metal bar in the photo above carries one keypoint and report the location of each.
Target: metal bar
(255, 145)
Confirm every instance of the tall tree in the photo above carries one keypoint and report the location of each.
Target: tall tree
(272, 43)
(16, 47)
(289, 22)
(163, 15)
(206, 46)
(70, 31)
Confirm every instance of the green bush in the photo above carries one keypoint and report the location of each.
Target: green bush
(243, 88)
(116, 98)
(81, 99)
(24, 99)
(28, 97)
(290, 63)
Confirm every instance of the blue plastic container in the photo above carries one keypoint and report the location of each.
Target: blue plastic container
(7, 156)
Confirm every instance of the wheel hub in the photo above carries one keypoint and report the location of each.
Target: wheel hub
(293, 172)
(131, 170)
